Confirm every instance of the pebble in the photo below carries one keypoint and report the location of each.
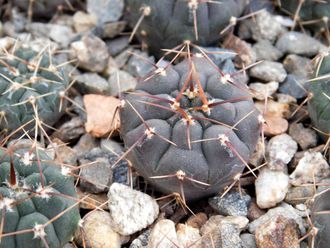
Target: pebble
(83, 22)
(280, 150)
(101, 116)
(70, 130)
(275, 125)
(254, 211)
(122, 58)
(112, 146)
(271, 187)
(91, 53)
(285, 98)
(130, 210)
(92, 83)
(264, 50)
(231, 204)
(97, 231)
(249, 240)
(286, 210)
(258, 155)
(86, 143)
(106, 10)
(197, 220)
(125, 80)
(310, 169)
(141, 241)
(62, 152)
(112, 29)
(188, 236)
(92, 201)
(163, 235)
(306, 137)
(294, 86)
(279, 232)
(300, 194)
(269, 71)
(240, 223)
(262, 91)
(140, 64)
(116, 46)
(298, 43)
(298, 65)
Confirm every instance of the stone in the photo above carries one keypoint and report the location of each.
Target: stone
(254, 211)
(294, 86)
(142, 240)
(262, 91)
(212, 224)
(298, 43)
(269, 71)
(117, 45)
(92, 83)
(275, 125)
(112, 146)
(273, 108)
(298, 66)
(140, 64)
(232, 204)
(271, 187)
(311, 169)
(83, 22)
(101, 118)
(122, 58)
(163, 235)
(70, 130)
(86, 143)
(285, 210)
(258, 155)
(188, 236)
(306, 137)
(97, 231)
(280, 150)
(92, 201)
(300, 194)
(91, 53)
(197, 220)
(249, 240)
(264, 50)
(106, 10)
(130, 210)
(121, 81)
(279, 232)
(285, 98)
(63, 154)
(112, 29)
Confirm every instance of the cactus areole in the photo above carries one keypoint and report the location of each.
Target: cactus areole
(190, 127)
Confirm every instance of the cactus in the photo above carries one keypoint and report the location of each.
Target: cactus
(319, 104)
(30, 85)
(190, 128)
(166, 24)
(37, 201)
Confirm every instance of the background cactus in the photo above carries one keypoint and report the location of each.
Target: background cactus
(29, 79)
(319, 105)
(179, 124)
(166, 24)
(37, 201)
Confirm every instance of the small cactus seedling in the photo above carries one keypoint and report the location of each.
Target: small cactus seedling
(30, 85)
(190, 128)
(38, 202)
(161, 24)
(319, 104)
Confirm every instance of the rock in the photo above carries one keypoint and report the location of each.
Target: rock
(141, 241)
(271, 187)
(123, 79)
(264, 26)
(188, 236)
(101, 118)
(273, 108)
(112, 29)
(298, 43)
(262, 91)
(264, 50)
(163, 235)
(122, 58)
(98, 232)
(63, 154)
(92, 83)
(231, 204)
(140, 64)
(95, 175)
(6, 43)
(300, 194)
(112, 146)
(286, 210)
(116, 46)
(279, 232)
(286, 99)
(84, 145)
(70, 130)
(197, 220)
(106, 10)
(280, 151)
(269, 71)
(306, 137)
(91, 53)
(275, 125)
(294, 86)
(298, 66)
(254, 211)
(240, 223)
(130, 210)
(83, 22)
(310, 169)
(249, 241)
(92, 201)
(258, 155)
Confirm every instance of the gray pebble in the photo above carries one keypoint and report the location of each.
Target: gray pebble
(306, 137)
(269, 71)
(265, 50)
(92, 83)
(294, 86)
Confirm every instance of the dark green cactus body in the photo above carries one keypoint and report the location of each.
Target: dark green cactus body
(20, 81)
(212, 162)
(319, 105)
(171, 22)
(28, 209)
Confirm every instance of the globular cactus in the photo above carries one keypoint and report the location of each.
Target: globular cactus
(190, 128)
(38, 201)
(319, 104)
(166, 24)
(30, 85)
